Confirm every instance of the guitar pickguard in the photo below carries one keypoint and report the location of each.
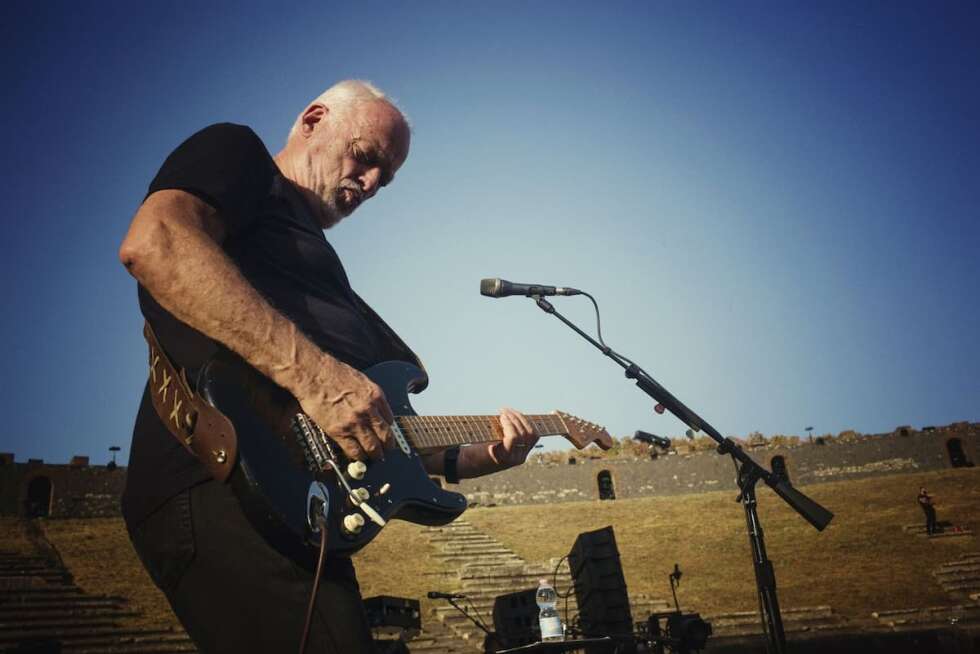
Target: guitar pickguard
(282, 452)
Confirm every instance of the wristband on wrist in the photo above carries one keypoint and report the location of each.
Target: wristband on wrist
(449, 458)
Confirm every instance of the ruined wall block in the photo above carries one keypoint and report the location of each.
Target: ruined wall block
(79, 490)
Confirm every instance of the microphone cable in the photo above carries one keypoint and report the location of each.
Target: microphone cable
(316, 584)
(598, 328)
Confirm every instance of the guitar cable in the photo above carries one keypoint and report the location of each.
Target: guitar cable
(322, 523)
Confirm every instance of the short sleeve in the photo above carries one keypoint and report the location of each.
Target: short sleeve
(225, 165)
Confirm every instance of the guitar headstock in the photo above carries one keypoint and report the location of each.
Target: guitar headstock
(582, 432)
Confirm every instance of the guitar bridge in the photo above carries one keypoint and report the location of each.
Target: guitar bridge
(316, 449)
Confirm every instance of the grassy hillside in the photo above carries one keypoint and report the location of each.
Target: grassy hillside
(14, 538)
(862, 562)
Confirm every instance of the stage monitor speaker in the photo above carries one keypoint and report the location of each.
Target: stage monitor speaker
(600, 587)
(515, 618)
(393, 615)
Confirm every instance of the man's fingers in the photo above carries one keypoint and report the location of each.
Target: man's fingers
(379, 415)
(385, 410)
(525, 424)
(517, 421)
(371, 436)
(372, 447)
(507, 425)
(381, 430)
(351, 447)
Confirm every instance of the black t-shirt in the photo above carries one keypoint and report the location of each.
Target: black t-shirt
(280, 249)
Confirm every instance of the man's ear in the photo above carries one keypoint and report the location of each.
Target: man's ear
(312, 117)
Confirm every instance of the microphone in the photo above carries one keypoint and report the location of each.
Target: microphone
(434, 594)
(497, 287)
(652, 439)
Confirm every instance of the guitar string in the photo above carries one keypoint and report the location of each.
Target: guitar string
(440, 431)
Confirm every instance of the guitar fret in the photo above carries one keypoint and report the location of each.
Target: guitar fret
(434, 432)
(458, 430)
(441, 430)
(448, 430)
(448, 427)
(437, 431)
(450, 436)
(447, 435)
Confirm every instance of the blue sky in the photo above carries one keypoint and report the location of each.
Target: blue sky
(774, 203)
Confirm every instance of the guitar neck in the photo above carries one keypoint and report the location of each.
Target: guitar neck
(427, 433)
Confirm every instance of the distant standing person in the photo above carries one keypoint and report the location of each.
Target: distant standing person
(925, 501)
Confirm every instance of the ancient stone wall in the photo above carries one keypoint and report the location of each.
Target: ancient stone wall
(75, 490)
(674, 473)
(81, 490)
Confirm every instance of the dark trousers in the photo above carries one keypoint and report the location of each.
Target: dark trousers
(233, 592)
(930, 512)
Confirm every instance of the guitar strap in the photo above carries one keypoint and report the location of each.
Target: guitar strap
(204, 431)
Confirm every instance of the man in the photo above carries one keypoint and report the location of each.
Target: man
(925, 501)
(228, 249)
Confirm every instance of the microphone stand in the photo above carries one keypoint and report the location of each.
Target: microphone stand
(749, 472)
(491, 636)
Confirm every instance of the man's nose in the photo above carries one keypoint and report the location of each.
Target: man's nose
(371, 180)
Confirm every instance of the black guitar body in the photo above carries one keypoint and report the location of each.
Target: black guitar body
(276, 467)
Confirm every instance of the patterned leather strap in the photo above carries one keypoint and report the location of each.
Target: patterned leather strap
(203, 430)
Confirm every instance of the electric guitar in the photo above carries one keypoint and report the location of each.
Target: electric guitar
(290, 475)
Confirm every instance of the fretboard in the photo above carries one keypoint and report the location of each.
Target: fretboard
(437, 432)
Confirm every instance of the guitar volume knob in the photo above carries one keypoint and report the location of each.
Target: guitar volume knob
(357, 469)
(353, 523)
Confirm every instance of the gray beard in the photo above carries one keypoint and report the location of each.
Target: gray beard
(329, 209)
(333, 209)
(329, 198)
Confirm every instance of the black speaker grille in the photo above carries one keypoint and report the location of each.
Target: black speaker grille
(600, 587)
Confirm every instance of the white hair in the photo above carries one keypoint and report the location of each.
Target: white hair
(346, 94)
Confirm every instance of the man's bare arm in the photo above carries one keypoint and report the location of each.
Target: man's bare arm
(173, 249)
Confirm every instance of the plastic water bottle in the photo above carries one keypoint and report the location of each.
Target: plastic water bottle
(547, 598)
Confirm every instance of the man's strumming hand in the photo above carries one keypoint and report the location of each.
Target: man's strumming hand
(349, 407)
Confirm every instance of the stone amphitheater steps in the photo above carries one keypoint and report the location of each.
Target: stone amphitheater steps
(502, 571)
(40, 603)
(961, 576)
(58, 614)
(948, 531)
(435, 638)
(62, 601)
(488, 558)
(163, 643)
(930, 617)
(641, 606)
(747, 623)
(485, 569)
(488, 569)
(89, 635)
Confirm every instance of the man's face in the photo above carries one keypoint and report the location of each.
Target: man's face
(353, 152)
